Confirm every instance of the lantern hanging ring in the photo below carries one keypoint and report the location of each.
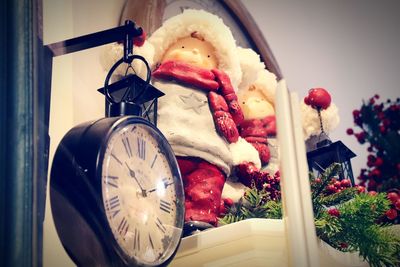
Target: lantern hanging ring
(128, 60)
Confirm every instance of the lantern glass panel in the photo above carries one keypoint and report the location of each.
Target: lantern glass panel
(322, 157)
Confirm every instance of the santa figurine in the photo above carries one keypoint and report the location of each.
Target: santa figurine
(196, 64)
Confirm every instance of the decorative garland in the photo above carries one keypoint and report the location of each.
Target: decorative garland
(345, 217)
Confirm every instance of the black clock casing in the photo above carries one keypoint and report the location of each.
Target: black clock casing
(76, 193)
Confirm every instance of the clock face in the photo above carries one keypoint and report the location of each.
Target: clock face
(142, 195)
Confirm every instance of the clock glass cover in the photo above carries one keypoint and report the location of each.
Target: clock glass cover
(142, 196)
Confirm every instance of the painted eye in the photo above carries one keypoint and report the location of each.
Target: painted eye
(208, 55)
(183, 46)
(243, 102)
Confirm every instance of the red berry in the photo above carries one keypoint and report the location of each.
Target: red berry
(345, 183)
(360, 137)
(334, 212)
(378, 161)
(376, 172)
(356, 113)
(349, 131)
(372, 193)
(397, 204)
(228, 202)
(372, 101)
(331, 188)
(391, 214)
(344, 245)
(337, 184)
(382, 129)
(393, 197)
(386, 122)
(318, 180)
(376, 96)
(361, 189)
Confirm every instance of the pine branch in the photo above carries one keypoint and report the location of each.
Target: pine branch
(254, 204)
(338, 198)
(318, 187)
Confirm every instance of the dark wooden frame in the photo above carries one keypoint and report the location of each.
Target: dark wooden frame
(254, 34)
(24, 139)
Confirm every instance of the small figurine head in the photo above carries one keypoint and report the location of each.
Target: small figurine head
(254, 104)
(257, 89)
(194, 50)
(197, 29)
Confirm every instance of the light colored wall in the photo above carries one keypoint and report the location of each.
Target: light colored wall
(75, 79)
(350, 47)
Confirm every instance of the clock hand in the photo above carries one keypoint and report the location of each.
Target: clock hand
(154, 189)
(133, 175)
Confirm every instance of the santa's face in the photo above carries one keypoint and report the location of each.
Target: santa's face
(194, 51)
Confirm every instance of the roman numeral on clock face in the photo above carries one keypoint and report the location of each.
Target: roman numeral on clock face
(165, 206)
(112, 205)
(154, 161)
(123, 227)
(160, 225)
(141, 144)
(151, 242)
(111, 181)
(136, 241)
(127, 146)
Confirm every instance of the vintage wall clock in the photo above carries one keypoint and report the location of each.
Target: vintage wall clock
(151, 13)
(116, 193)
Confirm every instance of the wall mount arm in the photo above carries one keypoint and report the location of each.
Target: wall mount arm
(124, 33)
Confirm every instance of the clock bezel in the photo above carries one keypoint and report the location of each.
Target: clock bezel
(166, 149)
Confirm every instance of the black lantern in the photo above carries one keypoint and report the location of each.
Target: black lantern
(328, 153)
(131, 95)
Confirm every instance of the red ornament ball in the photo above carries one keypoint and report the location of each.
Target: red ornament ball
(318, 98)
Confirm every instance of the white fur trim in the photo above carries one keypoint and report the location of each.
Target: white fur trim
(310, 120)
(233, 190)
(243, 151)
(255, 73)
(211, 27)
(251, 64)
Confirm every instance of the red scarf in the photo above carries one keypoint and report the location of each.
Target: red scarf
(188, 74)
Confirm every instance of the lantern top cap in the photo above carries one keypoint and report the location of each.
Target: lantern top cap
(150, 93)
(337, 147)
